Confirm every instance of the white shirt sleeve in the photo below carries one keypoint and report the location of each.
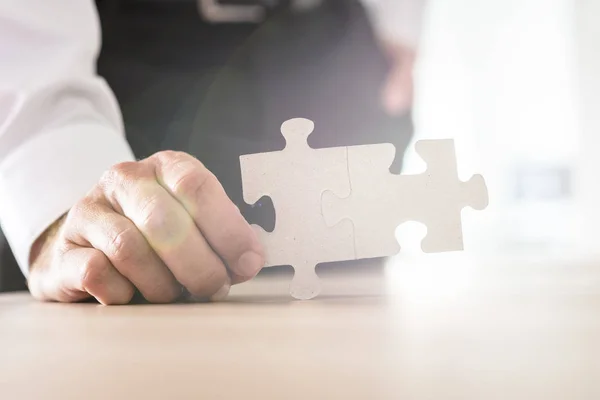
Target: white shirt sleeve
(397, 20)
(60, 125)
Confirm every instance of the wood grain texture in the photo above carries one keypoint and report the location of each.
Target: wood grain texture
(443, 328)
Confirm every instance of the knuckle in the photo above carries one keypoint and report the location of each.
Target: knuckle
(152, 215)
(94, 272)
(122, 246)
(191, 181)
(186, 170)
(79, 214)
(79, 210)
(168, 157)
(119, 173)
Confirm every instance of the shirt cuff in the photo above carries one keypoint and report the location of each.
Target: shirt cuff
(44, 177)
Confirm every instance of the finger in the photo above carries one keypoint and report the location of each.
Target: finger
(168, 228)
(237, 279)
(89, 270)
(96, 224)
(46, 282)
(220, 295)
(217, 217)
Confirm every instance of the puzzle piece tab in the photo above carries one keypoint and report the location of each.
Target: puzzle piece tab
(295, 179)
(381, 201)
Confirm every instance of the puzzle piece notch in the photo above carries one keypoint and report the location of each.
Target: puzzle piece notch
(295, 178)
(381, 201)
(443, 196)
(473, 194)
(440, 157)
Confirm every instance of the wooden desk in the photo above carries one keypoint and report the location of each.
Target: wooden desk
(443, 329)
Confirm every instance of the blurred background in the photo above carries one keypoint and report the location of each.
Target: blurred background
(517, 84)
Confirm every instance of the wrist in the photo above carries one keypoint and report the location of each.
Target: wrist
(43, 242)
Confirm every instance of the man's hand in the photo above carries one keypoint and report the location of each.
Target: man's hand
(397, 93)
(159, 225)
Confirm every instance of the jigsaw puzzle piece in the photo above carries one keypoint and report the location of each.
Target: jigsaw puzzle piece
(295, 179)
(443, 196)
(381, 201)
(372, 203)
(306, 284)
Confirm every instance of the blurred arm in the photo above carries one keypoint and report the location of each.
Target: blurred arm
(397, 21)
(60, 125)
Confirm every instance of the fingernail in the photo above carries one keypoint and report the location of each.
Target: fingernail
(221, 293)
(250, 264)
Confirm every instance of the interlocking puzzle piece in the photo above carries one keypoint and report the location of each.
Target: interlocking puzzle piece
(381, 201)
(295, 179)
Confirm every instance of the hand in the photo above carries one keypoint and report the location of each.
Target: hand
(397, 93)
(158, 225)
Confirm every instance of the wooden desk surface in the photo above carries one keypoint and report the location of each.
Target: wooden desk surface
(443, 329)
